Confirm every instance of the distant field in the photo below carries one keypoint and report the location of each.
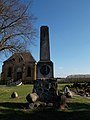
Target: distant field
(15, 109)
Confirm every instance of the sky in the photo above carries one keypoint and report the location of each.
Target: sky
(69, 34)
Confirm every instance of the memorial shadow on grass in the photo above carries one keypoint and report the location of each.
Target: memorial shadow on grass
(19, 111)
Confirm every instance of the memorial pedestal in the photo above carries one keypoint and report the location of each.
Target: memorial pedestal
(44, 69)
(46, 89)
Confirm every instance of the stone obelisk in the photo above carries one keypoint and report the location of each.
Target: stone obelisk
(45, 65)
(44, 44)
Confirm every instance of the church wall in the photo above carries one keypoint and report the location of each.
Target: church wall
(4, 75)
(18, 66)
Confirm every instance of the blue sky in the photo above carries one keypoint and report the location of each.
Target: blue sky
(69, 29)
(69, 32)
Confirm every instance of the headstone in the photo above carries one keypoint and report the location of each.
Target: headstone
(67, 92)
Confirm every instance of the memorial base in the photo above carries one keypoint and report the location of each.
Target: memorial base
(46, 89)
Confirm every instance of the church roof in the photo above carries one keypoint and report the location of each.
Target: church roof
(25, 56)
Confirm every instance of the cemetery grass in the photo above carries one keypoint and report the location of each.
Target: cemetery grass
(17, 108)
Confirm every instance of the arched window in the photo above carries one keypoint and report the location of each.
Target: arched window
(29, 72)
(9, 74)
(19, 73)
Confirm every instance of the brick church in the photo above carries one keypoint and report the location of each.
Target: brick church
(19, 66)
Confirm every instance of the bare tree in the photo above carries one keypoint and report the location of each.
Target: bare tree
(16, 26)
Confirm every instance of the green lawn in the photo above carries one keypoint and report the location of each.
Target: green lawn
(23, 90)
(16, 109)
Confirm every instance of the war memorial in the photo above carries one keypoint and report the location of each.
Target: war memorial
(45, 86)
